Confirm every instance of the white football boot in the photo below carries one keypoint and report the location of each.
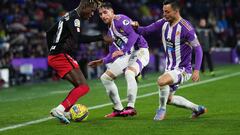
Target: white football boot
(60, 115)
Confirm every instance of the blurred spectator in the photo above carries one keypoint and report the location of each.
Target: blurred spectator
(206, 39)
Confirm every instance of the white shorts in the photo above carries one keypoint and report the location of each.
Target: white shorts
(137, 59)
(179, 76)
(117, 67)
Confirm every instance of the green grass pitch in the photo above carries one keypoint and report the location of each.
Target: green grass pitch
(24, 110)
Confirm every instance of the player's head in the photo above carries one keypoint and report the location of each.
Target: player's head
(106, 12)
(171, 9)
(86, 8)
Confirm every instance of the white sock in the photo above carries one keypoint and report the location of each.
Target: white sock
(163, 96)
(131, 88)
(183, 102)
(61, 108)
(112, 91)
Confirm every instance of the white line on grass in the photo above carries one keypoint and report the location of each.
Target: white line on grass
(124, 100)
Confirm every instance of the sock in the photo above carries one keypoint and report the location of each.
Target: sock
(112, 91)
(163, 96)
(74, 95)
(61, 108)
(183, 102)
(131, 88)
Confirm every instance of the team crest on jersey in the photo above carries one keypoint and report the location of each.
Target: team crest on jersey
(77, 23)
(177, 33)
(125, 22)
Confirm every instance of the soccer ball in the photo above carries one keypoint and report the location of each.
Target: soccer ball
(79, 112)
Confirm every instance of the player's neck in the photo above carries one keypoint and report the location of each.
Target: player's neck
(178, 18)
(114, 17)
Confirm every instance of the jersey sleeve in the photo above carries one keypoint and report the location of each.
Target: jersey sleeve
(108, 58)
(154, 27)
(124, 25)
(193, 40)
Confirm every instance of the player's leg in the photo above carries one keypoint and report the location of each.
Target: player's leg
(76, 77)
(107, 78)
(138, 60)
(163, 82)
(68, 69)
(180, 101)
(130, 74)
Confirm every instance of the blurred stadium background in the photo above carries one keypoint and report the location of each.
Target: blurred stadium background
(29, 88)
(23, 24)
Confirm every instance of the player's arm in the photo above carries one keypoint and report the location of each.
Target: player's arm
(127, 30)
(193, 40)
(104, 60)
(131, 35)
(145, 30)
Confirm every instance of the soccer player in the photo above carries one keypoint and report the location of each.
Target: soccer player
(178, 38)
(128, 54)
(62, 38)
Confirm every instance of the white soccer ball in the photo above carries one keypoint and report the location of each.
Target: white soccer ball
(79, 112)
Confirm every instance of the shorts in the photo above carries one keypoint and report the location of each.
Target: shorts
(137, 59)
(179, 76)
(62, 63)
(117, 67)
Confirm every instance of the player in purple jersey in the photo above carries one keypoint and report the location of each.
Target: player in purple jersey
(128, 54)
(178, 38)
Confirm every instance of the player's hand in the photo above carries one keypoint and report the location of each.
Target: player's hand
(135, 24)
(107, 39)
(95, 63)
(117, 53)
(195, 76)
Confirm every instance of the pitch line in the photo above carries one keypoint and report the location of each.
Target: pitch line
(124, 100)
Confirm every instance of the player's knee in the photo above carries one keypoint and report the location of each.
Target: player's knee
(86, 88)
(161, 82)
(105, 79)
(82, 89)
(130, 73)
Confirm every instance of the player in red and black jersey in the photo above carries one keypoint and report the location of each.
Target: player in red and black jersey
(62, 39)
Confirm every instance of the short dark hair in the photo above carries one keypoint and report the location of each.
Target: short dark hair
(174, 3)
(106, 5)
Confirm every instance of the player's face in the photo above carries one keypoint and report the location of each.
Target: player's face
(169, 13)
(106, 15)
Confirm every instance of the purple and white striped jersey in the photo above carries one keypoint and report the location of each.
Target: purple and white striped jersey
(178, 41)
(125, 38)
